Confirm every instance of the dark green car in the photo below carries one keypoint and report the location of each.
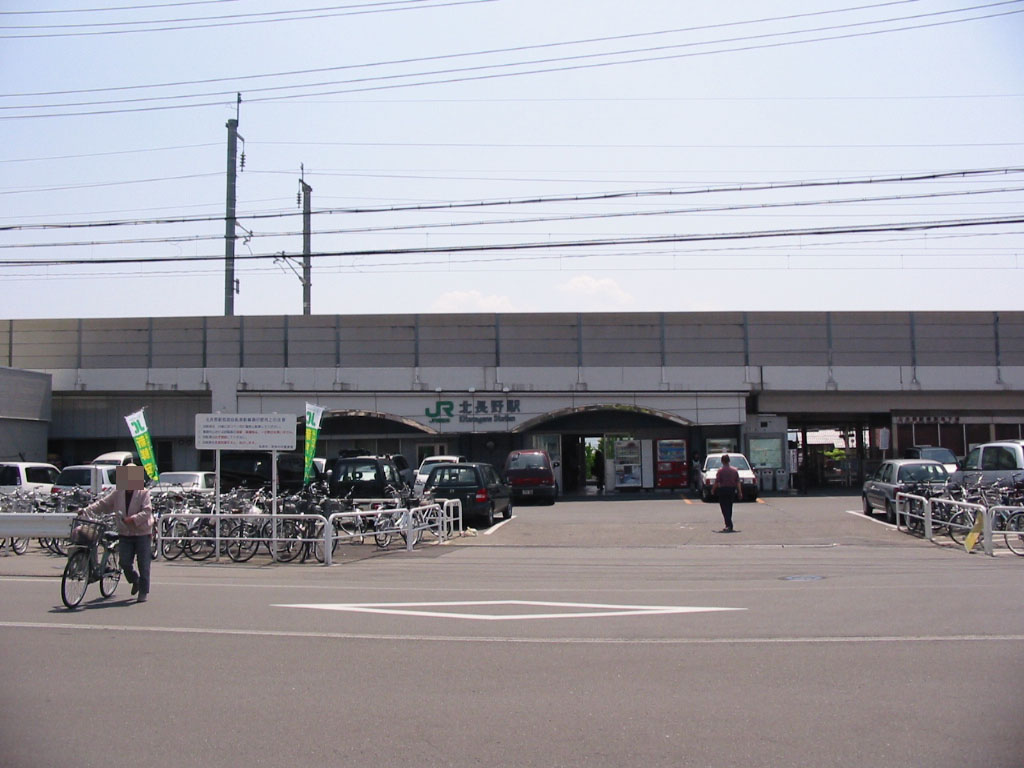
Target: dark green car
(476, 485)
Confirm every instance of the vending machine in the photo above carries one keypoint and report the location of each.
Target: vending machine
(628, 464)
(672, 469)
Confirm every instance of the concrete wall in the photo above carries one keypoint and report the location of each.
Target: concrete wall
(592, 340)
(24, 415)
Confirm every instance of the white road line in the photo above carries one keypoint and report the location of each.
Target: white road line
(257, 633)
(870, 518)
(420, 609)
(493, 528)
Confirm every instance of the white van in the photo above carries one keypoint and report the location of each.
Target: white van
(27, 476)
(117, 458)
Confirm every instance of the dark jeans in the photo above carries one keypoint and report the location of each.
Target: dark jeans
(726, 498)
(140, 549)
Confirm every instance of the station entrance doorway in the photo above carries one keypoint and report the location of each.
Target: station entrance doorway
(627, 438)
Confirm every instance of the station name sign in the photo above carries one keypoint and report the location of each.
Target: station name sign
(482, 411)
(245, 432)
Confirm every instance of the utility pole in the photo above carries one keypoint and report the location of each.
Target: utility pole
(229, 216)
(307, 267)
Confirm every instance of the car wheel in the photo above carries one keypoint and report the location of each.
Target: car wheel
(866, 505)
(890, 511)
(508, 510)
(489, 515)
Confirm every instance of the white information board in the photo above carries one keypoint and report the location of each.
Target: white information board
(245, 432)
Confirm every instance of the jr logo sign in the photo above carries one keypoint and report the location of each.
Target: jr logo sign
(442, 413)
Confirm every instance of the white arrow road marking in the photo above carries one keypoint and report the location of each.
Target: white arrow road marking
(421, 609)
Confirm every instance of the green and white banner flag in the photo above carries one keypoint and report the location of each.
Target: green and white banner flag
(313, 415)
(143, 443)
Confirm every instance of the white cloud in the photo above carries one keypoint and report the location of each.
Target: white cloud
(473, 301)
(605, 290)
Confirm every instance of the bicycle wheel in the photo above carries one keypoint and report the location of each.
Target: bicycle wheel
(349, 528)
(242, 541)
(289, 542)
(201, 544)
(960, 525)
(75, 580)
(20, 546)
(1014, 535)
(173, 544)
(382, 527)
(111, 574)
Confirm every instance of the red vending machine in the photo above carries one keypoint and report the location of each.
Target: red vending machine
(672, 468)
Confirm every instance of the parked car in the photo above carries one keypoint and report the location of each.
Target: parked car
(117, 458)
(80, 475)
(204, 482)
(713, 463)
(407, 473)
(364, 477)
(895, 475)
(428, 464)
(936, 453)
(27, 476)
(252, 469)
(988, 462)
(530, 474)
(476, 485)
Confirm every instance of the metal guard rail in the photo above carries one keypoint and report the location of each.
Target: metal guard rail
(905, 509)
(402, 518)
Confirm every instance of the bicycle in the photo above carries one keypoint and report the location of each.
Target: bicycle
(84, 564)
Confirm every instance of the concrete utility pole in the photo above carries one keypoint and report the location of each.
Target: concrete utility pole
(307, 267)
(229, 215)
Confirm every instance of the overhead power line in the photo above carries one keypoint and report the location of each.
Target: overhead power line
(445, 76)
(419, 227)
(973, 173)
(234, 20)
(917, 226)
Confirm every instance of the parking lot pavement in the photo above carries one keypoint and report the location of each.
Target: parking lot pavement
(586, 634)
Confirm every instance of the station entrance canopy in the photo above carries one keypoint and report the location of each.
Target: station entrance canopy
(443, 413)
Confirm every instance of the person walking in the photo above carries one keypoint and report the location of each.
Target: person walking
(133, 510)
(728, 489)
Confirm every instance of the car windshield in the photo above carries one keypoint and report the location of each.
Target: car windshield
(736, 460)
(922, 473)
(425, 469)
(452, 475)
(350, 471)
(939, 454)
(77, 476)
(527, 461)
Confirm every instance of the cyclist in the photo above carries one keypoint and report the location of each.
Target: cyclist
(133, 509)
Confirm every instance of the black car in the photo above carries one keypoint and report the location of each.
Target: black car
(476, 485)
(254, 469)
(365, 477)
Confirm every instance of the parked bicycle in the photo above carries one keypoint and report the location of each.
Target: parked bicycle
(85, 563)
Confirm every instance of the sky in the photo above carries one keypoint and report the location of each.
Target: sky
(511, 155)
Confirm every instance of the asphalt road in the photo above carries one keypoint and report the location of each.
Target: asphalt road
(605, 632)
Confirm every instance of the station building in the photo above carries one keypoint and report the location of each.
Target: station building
(660, 388)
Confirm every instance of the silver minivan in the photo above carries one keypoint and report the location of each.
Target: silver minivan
(988, 462)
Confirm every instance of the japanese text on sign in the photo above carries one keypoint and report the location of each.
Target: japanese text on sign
(245, 432)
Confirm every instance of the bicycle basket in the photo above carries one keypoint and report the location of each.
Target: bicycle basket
(86, 532)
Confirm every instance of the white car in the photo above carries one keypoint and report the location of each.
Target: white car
(116, 458)
(428, 464)
(204, 482)
(80, 476)
(27, 476)
(713, 463)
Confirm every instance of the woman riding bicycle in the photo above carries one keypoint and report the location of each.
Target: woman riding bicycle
(133, 510)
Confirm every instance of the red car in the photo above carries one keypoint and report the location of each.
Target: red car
(530, 474)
